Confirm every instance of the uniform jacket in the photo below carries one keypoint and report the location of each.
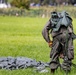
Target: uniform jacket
(48, 30)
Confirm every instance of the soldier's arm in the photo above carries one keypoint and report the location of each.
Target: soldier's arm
(45, 31)
(71, 26)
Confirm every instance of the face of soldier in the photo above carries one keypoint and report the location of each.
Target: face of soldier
(54, 16)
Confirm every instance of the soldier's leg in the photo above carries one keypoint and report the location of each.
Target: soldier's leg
(70, 49)
(54, 55)
(70, 55)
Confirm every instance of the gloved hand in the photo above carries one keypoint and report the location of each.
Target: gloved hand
(50, 44)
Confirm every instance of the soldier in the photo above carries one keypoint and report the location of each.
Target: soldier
(61, 29)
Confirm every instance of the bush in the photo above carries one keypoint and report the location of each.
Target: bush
(37, 12)
(21, 3)
(12, 12)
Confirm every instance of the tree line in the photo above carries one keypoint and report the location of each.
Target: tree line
(26, 3)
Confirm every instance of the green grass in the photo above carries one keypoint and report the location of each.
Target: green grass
(21, 36)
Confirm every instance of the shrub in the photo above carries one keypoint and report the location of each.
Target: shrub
(21, 3)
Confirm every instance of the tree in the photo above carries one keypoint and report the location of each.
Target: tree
(46, 2)
(21, 3)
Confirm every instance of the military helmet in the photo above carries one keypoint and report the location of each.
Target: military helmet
(54, 14)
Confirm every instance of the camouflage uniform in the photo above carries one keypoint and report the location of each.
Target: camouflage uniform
(58, 46)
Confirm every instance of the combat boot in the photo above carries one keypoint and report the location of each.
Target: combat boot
(52, 71)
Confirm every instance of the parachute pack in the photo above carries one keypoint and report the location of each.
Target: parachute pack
(59, 19)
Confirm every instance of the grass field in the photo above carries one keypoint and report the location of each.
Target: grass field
(21, 36)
